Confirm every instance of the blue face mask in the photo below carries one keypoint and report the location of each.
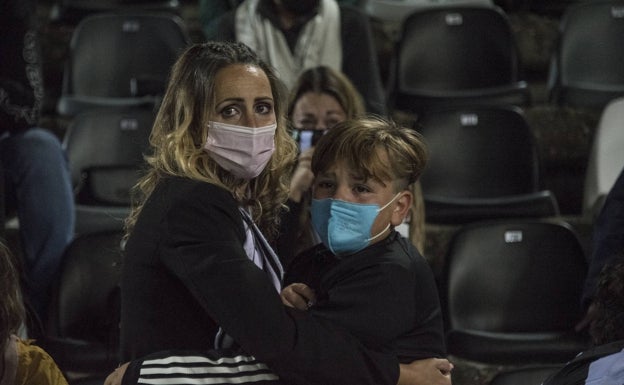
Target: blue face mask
(345, 227)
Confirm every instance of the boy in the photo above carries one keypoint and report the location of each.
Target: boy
(363, 170)
(364, 277)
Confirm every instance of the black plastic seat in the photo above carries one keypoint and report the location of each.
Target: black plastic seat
(483, 164)
(452, 56)
(72, 11)
(105, 150)
(511, 292)
(528, 375)
(83, 327)
(119, 60)
(606, 158)
(396, 11)
(587, 68)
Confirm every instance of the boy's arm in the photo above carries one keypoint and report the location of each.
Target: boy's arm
(388, 304)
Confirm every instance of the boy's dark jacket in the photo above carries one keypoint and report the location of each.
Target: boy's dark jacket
(390, 291)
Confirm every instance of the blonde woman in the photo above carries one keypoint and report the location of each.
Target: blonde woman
(198, 271)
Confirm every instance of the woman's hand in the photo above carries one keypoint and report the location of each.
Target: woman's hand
(587, 319)
(115, 377)
(303, 177)
(429, 371)
(298, 295)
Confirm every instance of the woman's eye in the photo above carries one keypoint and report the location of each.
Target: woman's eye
(228, 112)
(306, 124)
(331, 123)
(264, 109)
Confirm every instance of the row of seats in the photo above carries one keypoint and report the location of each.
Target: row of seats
(72, 11)
(483, 164)
(510, 292)
(493, 162)
(445, 56)
(475, 75)
(113, 80)
(449, 56)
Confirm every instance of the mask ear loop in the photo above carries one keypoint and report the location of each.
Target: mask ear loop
(388, 226)
(391, 200)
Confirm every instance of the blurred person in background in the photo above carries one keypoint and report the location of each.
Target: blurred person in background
(294, 35)
(37, 182)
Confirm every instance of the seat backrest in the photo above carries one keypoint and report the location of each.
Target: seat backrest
(514, 276)
(480, 152)
(121, 56)
(606, 158)
(72, 11)
(87, 295)
(588, 65)
(451, 48)
(527, 375)
(105, 150)
(396, 11)
(82, 334)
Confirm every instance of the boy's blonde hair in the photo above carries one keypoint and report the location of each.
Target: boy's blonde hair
(373, 147)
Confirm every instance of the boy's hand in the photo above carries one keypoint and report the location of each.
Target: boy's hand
(298, 295)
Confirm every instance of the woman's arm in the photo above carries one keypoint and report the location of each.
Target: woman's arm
(238, 296)
(431, 371)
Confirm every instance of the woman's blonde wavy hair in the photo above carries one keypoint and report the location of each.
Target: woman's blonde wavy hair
(181, 128)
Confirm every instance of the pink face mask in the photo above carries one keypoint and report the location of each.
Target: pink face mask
(243, 151)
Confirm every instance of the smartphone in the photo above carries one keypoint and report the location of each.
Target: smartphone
(307, 138)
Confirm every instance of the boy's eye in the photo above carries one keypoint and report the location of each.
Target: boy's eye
(325, 184)
(360, 189)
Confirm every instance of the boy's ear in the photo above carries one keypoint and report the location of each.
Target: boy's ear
(403, 205)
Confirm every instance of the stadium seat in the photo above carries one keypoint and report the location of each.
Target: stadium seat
(606, 158)
(511, 292)
(483, 164)
(451, 56)
(528, 375)
(397, 10)
(105, 151)
(120, 60)
(72, 11)
(587, 68)
(83, 327)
